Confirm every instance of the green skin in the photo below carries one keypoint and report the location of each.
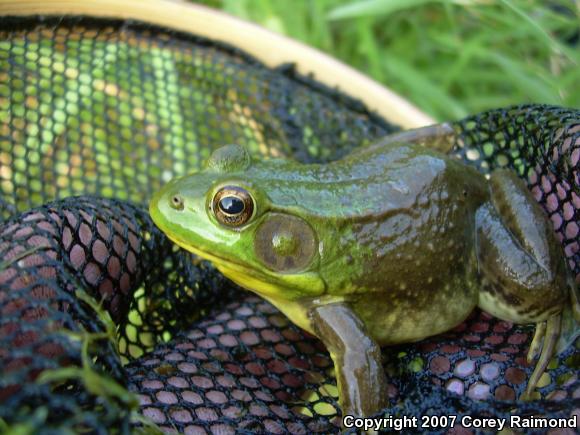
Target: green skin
(393, 243)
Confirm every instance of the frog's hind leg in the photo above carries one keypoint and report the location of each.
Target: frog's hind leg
(523, 271)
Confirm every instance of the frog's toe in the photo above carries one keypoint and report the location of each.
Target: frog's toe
(575, 297)
(550, 335)
(570, 328)
(536, 345)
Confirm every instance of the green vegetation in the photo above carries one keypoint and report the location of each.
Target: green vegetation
(449, 57)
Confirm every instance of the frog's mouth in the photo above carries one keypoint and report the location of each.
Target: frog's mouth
(201, 253)
(232, 269)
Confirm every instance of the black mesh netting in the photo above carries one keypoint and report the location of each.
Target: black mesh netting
(94, 117)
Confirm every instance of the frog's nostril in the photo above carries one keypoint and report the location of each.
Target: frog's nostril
(176, 202)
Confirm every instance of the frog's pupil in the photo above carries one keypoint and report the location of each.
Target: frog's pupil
(231, 205)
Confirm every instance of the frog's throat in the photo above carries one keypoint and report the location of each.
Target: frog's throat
(240, 274)
(296, 311)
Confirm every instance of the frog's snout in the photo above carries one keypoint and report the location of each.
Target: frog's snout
(176, 202)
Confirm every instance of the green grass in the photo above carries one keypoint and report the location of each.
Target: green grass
(449, 57)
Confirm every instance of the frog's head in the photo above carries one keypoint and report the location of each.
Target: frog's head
(222, 214)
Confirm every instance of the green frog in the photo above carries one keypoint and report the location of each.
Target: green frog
(391, 244)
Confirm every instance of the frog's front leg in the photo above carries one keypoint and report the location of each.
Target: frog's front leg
(524, 275)
(357, 359)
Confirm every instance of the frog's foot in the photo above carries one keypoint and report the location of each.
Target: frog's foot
(546, 338)
(570, 329)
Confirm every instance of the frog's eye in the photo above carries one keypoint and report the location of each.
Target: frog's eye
(233, 206)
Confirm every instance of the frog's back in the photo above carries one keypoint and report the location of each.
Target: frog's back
(405, 215)
(367, 186)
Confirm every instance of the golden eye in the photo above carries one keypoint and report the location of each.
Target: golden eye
(232, 206)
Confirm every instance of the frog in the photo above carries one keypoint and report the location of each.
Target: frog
(392, 243)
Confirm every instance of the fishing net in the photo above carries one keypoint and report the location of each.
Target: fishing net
(102, 319)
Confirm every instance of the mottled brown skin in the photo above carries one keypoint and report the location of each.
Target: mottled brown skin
(489, 244)
(412, 253)
(393, 243)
